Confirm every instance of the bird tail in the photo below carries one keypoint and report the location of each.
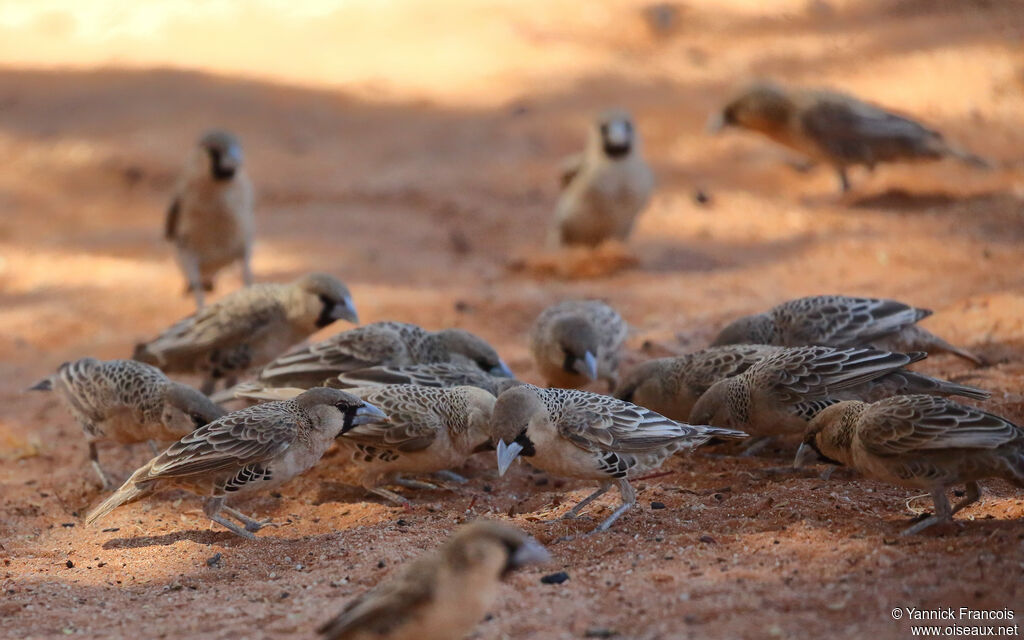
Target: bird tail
(133, 489)
(939, 344)
(256, 391)
(969, 158)
(719, 432)
(46, 384)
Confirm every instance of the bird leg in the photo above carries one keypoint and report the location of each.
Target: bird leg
(628, 500)
(94, 457)
(844, 181)
(250, 524)
(573, 513)
(756, 445)
(943, 512)
(190, 265)
(450, 476)
(390, 496)
(414, 484)
(212, 507)
(247, 269)
(973, 495)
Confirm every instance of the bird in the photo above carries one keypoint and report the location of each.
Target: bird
(605, 188)
(210, 220)
(672, 386)
(430, 430)
(836, 129)
(444, 593)
(779, 394)
(840, 321)
(127, 402)
(585, 435)
(435, 374)
(380, 344)
(248, 328)
(254, 449)
(919, 441)
(578, 341)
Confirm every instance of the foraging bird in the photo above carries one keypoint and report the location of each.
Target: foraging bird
(782, 392)
(380, 344)
(442, 595)
(840, 321)
(577, 342)
(922, 442)
(672, 386)
(836, 129)
(436, 374)
(127, 402)
(209, 220)
(590, 436)
(430, 430)
(255, 449)
(248, 328)
(606, 188)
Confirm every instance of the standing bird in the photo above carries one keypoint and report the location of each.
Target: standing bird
(255, 449)
(380, 344)
(577, 342)
(922, 442)
(442, 595)
(672, 386)
(210, 219)
(248, 328)
(781, 393)
(840, 321)
(127, 402)
(605, 188)
(430, 430)
(590, 436)
(836, 129)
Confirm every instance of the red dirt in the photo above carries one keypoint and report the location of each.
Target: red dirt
(421, 189)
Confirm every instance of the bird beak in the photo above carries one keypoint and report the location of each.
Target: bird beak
(804, 455)
(587, 366)
(46, 384)
(530, 552)
(617, 134)
(715, 123)
(507, 454)
(368, 414)
(345, 310)
(231, 158)
(502, 370)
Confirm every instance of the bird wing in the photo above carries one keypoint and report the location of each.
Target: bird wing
(438, 374)
(569, 168)
(921, 422)
(387, 606)
(171, 222)
(705, 368)
(857, 132)
(346, 351)
(601, 423)
(800, 374)
(252, 435)
(413, 418)
(842, 321)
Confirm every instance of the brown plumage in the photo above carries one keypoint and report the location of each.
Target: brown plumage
(255, 449)
(578, 341)
(380, 344)
(127, 402)
(922, 442)
(672, 386)
(437, 374)
(590, 436)
(209, 220)
(248, 328)
(442, 595)
(606, 188)
(840, 321)
(837, 129)
(780, 393)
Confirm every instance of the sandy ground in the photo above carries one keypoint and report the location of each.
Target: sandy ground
(420, 175)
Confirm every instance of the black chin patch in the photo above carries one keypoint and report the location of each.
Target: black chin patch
(524, 441)
(814, 445)
(325, 318)
(569, 364)
(616, 150)
(219, 172)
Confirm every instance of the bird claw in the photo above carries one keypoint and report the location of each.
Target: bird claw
(256, 525)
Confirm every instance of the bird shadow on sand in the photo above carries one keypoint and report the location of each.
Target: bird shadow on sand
(197, 536)
(897, 199)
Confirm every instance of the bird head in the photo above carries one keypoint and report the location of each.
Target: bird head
(460, 342)
(514, 410)
(334, 297)
(755, 329)
(224, 152)
(186, 409)
(615, 134)
(714, 408)
(338, 411)
(577, 345)
(488, 545)
(829, 434)
(760, 107)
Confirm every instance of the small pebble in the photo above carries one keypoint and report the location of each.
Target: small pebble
(701, 197)
(707, 539)
(600, 632)
(111, 530)
(67, 524)
(555, 578)
(657, 505)
(214, 560)
(380, 564)
(69, 564)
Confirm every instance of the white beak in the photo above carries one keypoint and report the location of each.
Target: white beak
(531, 552)
(507, 454)
(716, 122)
(617, 133)
(587, 367)
(345, 310)
(502, 370)
(803, 455)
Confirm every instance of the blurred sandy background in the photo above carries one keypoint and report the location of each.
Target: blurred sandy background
(411, 148)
